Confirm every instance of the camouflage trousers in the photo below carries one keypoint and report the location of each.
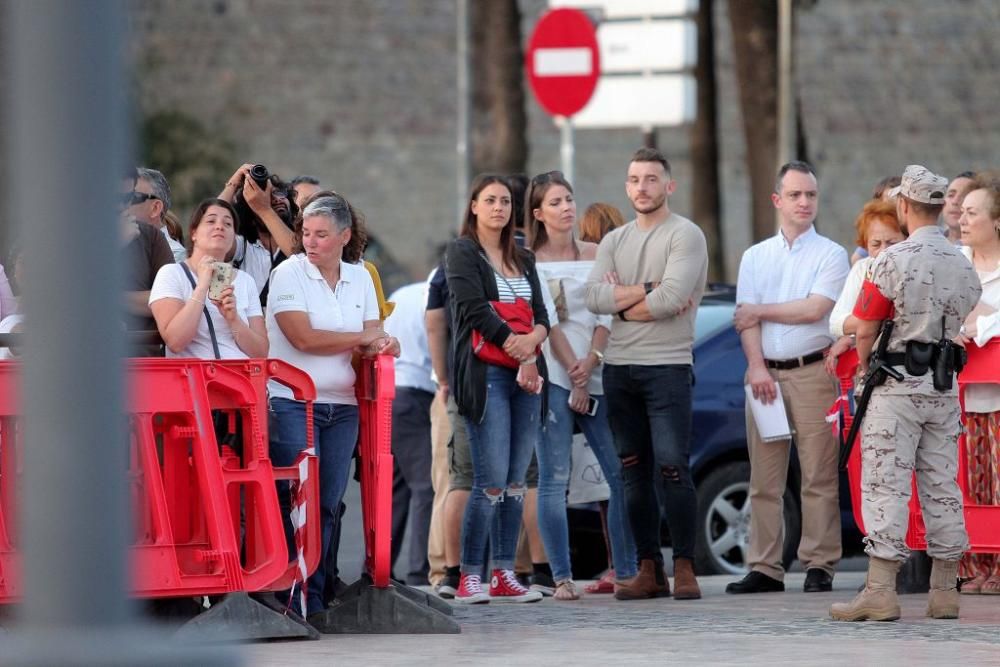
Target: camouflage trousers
(902, 435)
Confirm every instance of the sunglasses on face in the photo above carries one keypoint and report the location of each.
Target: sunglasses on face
(133, 198)
(279, 194)
(542, 179)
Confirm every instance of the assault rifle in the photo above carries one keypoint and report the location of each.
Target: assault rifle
(878, 371)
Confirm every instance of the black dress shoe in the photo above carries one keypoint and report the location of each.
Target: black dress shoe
(817, 581)
(756, 582)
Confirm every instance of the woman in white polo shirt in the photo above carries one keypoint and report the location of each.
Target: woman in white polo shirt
(320, 310)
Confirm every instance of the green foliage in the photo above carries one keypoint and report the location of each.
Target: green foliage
(195, 160)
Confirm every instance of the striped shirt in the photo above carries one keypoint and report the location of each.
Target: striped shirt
(511, 288)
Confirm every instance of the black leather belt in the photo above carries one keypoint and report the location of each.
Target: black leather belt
(788, 364)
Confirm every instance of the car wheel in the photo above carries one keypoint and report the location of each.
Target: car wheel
(723, 537)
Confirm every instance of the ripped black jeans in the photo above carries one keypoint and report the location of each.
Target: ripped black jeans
(649, 409)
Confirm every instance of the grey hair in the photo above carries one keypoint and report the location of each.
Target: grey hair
(333, 208)
(158, 184)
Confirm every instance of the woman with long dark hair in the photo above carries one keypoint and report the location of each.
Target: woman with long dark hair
(502, 405)
(575, 391)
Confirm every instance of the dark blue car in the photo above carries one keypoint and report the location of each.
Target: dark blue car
(719, 459)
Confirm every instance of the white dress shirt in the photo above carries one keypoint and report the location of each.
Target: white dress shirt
(775, 272)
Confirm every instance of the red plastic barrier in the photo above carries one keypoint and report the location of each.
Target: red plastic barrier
(981, 521)
(9, 455)
(207, 516)
(376, 388)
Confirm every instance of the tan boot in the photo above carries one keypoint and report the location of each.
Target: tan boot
(877, 601)
(685, 585)
(650, 582)
(943, 598)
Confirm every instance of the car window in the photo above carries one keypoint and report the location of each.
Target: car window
(712, 318)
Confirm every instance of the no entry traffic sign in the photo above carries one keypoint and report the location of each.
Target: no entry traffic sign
(563, 62)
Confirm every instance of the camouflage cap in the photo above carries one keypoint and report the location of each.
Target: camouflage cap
(922, 185)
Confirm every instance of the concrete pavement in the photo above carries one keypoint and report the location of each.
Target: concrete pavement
(791, 628)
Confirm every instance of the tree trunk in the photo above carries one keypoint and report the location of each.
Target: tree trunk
(499, 121)
(705, 146)
(755, 48)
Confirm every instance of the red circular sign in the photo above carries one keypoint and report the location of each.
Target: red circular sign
(563, 62)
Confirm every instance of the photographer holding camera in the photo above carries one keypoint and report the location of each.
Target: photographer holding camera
(266, 209)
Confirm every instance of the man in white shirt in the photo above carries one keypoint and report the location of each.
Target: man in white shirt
(412, 493)
(786, 288)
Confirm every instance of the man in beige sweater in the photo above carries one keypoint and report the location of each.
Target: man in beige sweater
(651, 273)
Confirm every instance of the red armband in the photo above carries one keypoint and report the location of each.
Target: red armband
(872, 304)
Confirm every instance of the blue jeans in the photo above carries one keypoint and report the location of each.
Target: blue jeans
(335, 433)
(649, 409)
(501, 448)
(554, 449)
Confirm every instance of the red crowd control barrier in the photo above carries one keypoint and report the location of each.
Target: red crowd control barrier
(207, 516)
(9, 455)
(376, 388)
(981, 521)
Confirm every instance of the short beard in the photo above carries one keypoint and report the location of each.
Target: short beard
(652, 208)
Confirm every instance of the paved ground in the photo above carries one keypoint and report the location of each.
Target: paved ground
(792, 628)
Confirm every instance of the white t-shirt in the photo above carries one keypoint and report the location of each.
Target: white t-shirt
(406, 324)
(255, 260)
(180, 252)
(298, 286)
(6, 326)
(172, 283)
(574, 319)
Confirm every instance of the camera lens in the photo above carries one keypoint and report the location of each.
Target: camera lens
(259, 174)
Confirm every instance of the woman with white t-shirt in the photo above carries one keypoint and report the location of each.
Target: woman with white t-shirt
(320, 310)
(179, 307)
(575, 350)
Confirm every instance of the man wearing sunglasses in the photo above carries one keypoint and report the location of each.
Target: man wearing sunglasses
(149, 201)
(144, 251)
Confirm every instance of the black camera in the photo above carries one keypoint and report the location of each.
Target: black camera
(259, 174)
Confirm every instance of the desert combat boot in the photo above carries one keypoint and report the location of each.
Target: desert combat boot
(877, 601)
(943, 598)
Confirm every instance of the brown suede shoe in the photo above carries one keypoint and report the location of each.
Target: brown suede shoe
(685, 584)
(650, 582)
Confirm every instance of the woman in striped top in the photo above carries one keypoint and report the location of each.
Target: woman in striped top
(502, 407)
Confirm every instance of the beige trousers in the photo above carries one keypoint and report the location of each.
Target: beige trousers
(808, 393)
(440, 435)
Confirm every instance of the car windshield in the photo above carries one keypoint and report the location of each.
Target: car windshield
(712, 318)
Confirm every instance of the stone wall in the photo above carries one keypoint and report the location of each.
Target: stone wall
(362, 94)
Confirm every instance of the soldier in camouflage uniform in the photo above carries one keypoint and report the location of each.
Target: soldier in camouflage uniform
(927, 288)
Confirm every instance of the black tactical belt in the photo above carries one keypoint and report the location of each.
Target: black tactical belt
(788, 364)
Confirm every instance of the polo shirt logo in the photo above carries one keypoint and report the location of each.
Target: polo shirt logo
(285, 297)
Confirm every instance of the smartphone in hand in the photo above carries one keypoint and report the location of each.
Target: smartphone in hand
(223, 275)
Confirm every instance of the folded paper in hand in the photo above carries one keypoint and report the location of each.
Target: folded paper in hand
(771, 419)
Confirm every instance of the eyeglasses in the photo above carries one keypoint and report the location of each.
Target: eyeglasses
(279, 194)
(133, 198)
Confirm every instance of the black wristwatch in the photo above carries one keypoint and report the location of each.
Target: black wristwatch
(648, 287)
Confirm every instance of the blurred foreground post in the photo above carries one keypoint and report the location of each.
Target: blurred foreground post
(69, 140)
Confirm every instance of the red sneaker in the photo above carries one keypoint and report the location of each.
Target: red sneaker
(504, 587)
(470, 590)
(606, 584)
